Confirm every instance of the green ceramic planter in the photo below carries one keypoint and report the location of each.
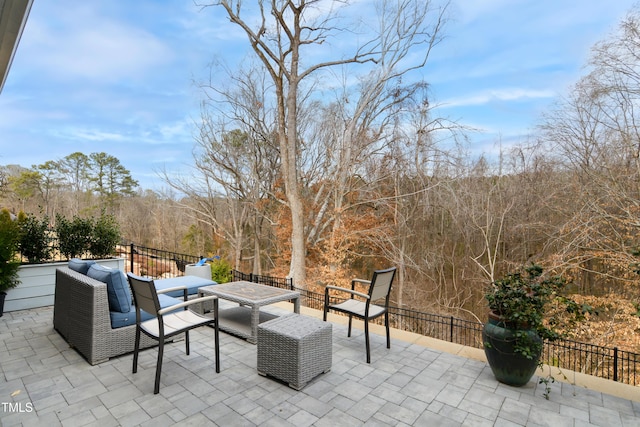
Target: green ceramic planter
(507, 366)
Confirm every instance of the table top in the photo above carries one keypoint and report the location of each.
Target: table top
(249, 292)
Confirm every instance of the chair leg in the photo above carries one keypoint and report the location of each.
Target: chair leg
(136, 347)
(326, 307)
(349, 330)
(386, 324)
(156, 388)
(366, 339)
(216, 334)
(186, 341)
(217, 344)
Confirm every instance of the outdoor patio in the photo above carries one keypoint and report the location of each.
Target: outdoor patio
(44, 382)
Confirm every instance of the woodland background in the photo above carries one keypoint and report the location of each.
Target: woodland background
(402, 189)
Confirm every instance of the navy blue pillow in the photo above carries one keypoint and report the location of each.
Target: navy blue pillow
(117, 286)
(80, 265)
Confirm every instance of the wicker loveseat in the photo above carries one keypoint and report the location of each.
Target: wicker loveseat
(81, 316)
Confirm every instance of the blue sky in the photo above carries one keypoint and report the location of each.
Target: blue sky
(118, 75)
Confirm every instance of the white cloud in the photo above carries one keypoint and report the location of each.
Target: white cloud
(81, 43)
(522, 38)
(90, 135)
(492, 95)
(177, 129)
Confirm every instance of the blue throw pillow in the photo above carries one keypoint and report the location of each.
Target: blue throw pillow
(117, 286)
(80, 265)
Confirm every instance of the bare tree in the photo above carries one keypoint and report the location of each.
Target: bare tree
(595, 128)
(286, 31)
(236, 164)
(74, 168)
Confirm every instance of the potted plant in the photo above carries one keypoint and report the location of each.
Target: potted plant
(526, 308)
(221, 270)
(9, 263)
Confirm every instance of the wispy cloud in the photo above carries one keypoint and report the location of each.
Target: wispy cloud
(83, 45)
(94, 135)
(492, 95)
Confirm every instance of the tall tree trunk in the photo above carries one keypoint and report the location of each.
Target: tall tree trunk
(290, 173)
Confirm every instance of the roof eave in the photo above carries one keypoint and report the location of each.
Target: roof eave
(13, 18)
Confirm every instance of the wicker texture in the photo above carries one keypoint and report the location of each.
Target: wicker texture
(81, 316)
(294, 349)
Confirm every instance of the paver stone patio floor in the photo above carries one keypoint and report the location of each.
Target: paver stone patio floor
(44, 382)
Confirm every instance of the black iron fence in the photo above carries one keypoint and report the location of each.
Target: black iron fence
(276, 282)
(155, 262)
(605, 362)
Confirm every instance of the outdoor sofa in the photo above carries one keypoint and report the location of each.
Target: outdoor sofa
(94, 313)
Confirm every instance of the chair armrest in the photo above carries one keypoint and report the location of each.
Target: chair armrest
(175, 288)
(362, 281)
(349, 291)
(184, 290)
(186, 303)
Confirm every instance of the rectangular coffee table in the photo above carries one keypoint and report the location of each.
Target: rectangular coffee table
(243, 320)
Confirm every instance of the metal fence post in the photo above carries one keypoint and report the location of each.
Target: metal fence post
(451, 329)
(615, 363)
(131, 259)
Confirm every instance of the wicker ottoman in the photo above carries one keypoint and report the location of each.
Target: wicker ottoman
(294, 349)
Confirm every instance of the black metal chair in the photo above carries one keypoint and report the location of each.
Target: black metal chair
(169, 321)
(363, 307)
